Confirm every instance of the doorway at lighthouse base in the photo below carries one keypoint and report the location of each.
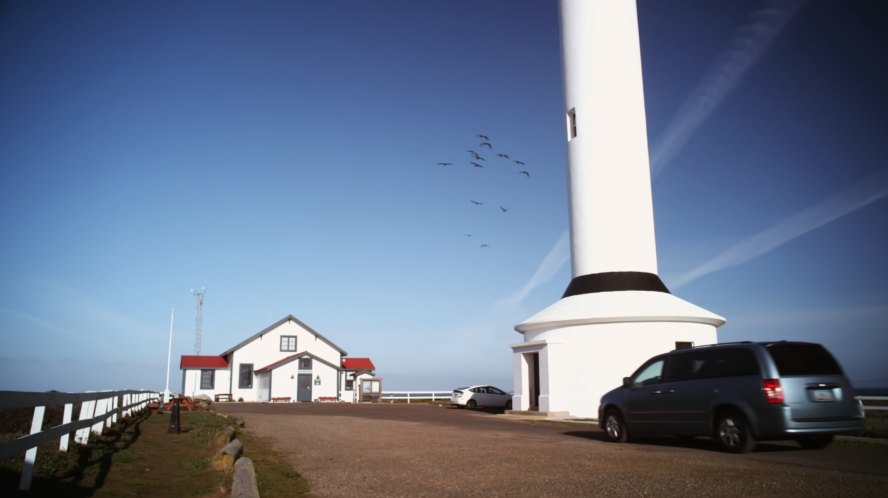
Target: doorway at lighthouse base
(565, 370)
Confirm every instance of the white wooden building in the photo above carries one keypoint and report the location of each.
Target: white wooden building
(286, 361)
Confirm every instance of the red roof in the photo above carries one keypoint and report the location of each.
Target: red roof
(278, 363)
(191, 361)
(358, 364)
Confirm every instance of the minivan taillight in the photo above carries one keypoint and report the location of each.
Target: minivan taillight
(773, 392)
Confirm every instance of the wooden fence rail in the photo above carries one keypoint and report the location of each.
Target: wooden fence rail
(97, 410)
(415, 395)
(864, 399)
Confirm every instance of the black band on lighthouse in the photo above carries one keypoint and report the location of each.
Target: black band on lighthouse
(615, 281)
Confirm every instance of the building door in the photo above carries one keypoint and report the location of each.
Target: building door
(303, 387)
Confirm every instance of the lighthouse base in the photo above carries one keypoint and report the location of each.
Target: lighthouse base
(583, 345)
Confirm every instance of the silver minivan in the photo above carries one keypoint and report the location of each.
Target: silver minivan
(736, 393)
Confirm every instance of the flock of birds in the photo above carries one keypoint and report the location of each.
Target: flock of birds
(476, 160)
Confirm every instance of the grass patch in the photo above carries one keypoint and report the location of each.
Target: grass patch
(274, 476)
(138, 457)
(875, 424)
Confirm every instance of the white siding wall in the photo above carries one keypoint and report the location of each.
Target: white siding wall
(347, 395)
(191, 383)
(266, 349)
(190, 380)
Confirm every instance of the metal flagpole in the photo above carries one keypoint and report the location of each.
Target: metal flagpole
(166, 393)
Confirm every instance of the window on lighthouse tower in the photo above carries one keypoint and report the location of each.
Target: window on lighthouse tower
(571, 124)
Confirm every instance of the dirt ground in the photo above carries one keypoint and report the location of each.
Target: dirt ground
(421, 450)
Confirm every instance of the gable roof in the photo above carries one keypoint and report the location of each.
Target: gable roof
(288, 318)
(294, 357)
(193, 361)
(358, 364)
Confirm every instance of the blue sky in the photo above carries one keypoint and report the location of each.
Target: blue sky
(284, 155)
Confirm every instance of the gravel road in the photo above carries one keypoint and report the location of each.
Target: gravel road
(422, 450)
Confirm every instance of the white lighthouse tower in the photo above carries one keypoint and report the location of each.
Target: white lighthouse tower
(616, 312)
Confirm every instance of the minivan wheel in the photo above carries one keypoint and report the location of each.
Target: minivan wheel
(817, 442)
(614, 427)
(733, 433)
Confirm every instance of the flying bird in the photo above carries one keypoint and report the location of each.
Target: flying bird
(486, 144)
(504, 156)
(483, 137)
(476, 164)
(469, 234)
(445, 164)
(519, 163)
(503, 209)
(484, 245)
(525, 173)
(477, 203)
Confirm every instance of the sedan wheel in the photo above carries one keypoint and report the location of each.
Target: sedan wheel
(733, 433)
(614, 427)
(471, 404)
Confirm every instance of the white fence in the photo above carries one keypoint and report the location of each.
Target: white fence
(442, 395)
(391, 396)
(97, 411)
(864, 399)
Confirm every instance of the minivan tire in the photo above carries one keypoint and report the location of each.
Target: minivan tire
(732, 432)
(615, 427)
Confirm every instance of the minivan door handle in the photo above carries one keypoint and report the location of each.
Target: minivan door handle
(667, 391)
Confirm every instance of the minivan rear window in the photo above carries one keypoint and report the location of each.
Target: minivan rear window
(803, 359)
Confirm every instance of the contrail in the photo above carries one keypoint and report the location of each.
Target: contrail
(747, 46)
(555, 259)
(862, 194)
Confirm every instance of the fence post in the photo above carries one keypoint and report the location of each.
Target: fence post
(112, 401)
(100, 410)
(87, 409)
(31, 454)
(66, 417)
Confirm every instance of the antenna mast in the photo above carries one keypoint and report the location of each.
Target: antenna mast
(198, 319)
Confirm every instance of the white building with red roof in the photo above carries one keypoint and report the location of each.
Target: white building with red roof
(286, 361)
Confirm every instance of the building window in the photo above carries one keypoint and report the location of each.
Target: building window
(349, 384)
(683, 345)
(571, 124)
(305, 363)
(288, 343)
(207, 378)
(245, 379)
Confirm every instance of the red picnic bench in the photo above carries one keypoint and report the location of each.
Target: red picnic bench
(185, 403)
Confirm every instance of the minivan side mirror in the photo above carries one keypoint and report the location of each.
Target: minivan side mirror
(627, 382)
